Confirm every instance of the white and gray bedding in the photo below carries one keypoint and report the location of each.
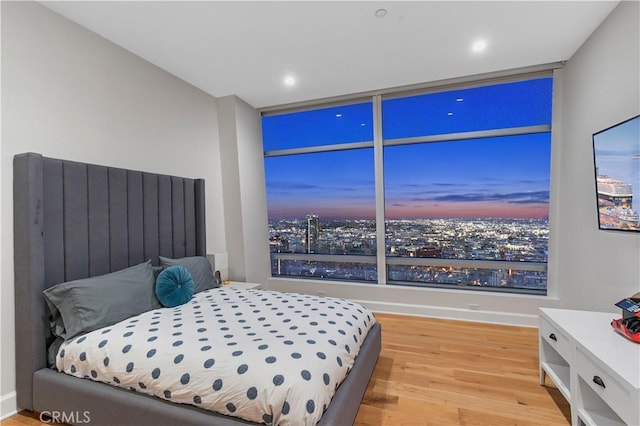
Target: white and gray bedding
(78, 221)
(263, 356)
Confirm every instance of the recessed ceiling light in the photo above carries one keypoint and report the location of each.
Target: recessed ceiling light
(479, 45)
(380, 13)
(289, 80)
(459, 99)
(449, 114)
(338, 115)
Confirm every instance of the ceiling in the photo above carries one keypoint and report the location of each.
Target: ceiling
(246, 48)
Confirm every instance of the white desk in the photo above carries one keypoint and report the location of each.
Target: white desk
(596, 369)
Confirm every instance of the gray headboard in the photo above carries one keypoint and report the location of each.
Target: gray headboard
(74, 220)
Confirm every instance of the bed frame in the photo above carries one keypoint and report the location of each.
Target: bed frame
(74, 220)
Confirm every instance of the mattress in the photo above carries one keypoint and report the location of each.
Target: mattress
(262, 356)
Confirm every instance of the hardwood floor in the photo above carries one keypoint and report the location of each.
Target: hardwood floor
(445, 372)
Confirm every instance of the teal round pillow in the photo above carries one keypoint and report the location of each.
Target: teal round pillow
(174, 286)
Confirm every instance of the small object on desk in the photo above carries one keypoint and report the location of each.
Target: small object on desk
(225, 282)
(629, 324)
(630, 306)
(217, 277)
(628, 327)
(632, 324)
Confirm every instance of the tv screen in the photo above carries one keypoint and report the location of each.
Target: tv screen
(616, 154)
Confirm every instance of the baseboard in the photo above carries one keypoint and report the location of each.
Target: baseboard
(503, 318)
(434, 303)
(8, 405)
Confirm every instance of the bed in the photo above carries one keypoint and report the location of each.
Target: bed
(74, 220)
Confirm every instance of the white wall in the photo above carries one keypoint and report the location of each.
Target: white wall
(67, 93)
(245, 202)
(600, 87)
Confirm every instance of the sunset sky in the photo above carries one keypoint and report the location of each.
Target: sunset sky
(498, 177)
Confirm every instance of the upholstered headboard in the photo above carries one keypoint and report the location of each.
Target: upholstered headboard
(74, 220)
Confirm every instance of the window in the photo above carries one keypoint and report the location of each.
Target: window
(321, 205)
(465, 178)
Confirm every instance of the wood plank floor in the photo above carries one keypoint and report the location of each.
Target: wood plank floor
(445, 372)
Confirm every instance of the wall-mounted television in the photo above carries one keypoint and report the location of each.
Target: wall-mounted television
(616, 156)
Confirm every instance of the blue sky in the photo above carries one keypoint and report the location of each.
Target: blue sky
(505, 176)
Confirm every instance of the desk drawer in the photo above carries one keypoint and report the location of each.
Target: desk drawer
(617, 396)
(556, 338)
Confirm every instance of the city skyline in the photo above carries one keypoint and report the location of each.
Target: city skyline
(521, 242)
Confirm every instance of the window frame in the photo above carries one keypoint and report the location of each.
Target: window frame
(379, 143)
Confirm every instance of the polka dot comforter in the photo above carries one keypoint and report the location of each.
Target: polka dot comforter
(263, 356)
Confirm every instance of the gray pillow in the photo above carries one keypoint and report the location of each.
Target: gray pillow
(199, 268)
(84, 305)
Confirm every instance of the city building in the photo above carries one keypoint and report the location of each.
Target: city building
(313, 233)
